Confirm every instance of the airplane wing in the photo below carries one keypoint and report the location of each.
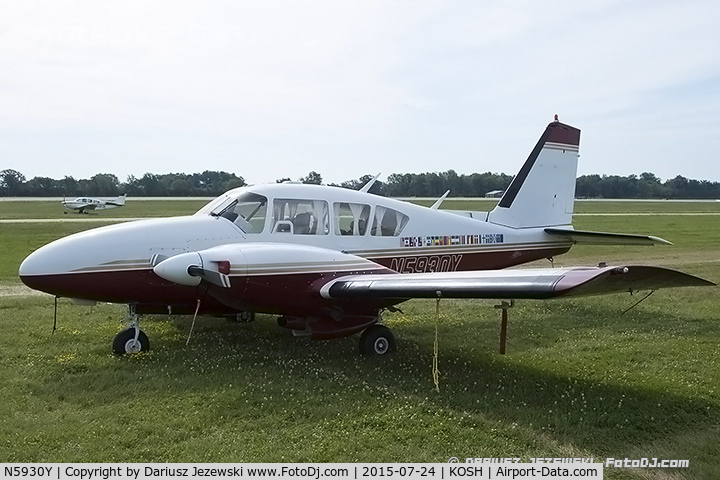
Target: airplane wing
(510, 284)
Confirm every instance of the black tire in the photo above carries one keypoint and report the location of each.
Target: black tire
(124, 342)
(242, 317)
(377, 340)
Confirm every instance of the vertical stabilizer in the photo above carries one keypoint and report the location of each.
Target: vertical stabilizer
(119, 201)
(543, 192)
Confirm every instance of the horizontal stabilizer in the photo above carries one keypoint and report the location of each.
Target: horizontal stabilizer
(530, 283)
(602, 238)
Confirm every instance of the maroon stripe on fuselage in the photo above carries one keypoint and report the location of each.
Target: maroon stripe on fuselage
(140, 287)
(290, 294)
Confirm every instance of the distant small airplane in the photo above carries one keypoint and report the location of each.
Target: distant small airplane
(328, 261)
(86, 204)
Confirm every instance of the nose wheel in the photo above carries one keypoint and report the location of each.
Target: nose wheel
(132, 339)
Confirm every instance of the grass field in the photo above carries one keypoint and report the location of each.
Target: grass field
(580, 378)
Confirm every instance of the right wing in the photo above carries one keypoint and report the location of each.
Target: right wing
(528, 283)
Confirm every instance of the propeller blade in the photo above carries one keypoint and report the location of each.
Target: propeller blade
(212, 276)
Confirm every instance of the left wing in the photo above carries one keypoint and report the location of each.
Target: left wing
(526, 283)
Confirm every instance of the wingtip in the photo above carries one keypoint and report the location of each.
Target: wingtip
(659, 240)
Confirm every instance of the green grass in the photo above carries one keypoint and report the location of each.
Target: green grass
(579, 379)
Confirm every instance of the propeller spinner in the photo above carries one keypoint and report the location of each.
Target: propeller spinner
(189, 269)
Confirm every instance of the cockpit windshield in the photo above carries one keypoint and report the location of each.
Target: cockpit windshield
(247, 211)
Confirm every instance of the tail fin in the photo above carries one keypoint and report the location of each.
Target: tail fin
(120, 201)
(542, 194)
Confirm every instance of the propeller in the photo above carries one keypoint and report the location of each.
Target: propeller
(189, 269)
(216, 277)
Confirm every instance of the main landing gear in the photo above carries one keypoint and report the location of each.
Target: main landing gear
(132, 339)
(242, 317)
(377, 340)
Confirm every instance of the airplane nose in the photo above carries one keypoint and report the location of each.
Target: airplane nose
(114, 263)
(40, 270)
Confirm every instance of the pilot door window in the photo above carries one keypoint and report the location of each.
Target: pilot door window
(248, 212)
(388, 222)
(300, 217)
(351, 218)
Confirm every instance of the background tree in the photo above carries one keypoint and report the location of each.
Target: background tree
(312, 178)
(429, 184)
(103, 184)
(42, 186)
(11, 182)
(377, 188)
(398, 184)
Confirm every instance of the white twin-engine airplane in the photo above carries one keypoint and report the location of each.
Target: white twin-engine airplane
(88, 204)
(329, 260)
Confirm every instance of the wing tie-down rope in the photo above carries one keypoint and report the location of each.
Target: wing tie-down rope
(638, 302)
(193, 322)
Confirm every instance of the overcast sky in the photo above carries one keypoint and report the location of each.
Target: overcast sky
(279, 88)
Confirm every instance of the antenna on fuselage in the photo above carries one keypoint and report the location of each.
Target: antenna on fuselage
(369, 184)
(439, 201)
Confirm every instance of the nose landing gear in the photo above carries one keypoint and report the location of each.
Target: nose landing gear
(132, 339)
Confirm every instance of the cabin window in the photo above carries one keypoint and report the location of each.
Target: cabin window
(248, 212)
(388, 222)
(351, 218)
(300, 217)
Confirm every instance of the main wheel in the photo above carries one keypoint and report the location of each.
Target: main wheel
(125, 342)
(242, 317)
(377, 340)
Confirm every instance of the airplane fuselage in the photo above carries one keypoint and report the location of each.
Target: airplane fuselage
(274, 248)
(115, 263)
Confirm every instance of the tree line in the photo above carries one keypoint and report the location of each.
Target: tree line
(205, 184)
(431, 184)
